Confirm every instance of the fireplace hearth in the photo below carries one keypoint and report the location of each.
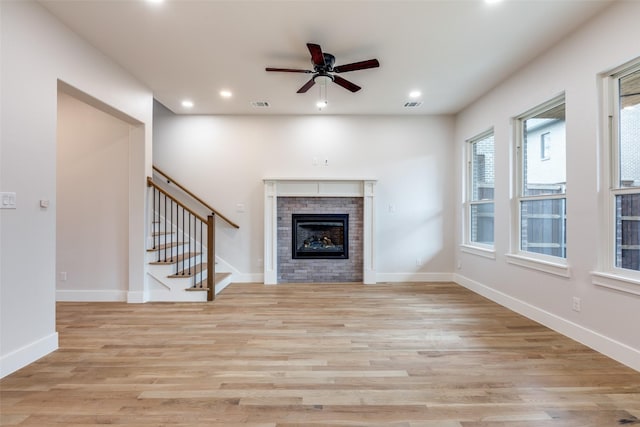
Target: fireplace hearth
(320, 236)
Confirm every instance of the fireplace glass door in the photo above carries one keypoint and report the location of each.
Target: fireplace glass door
(320, 236)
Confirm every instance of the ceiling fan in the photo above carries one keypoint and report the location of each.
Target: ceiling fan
(323, 68)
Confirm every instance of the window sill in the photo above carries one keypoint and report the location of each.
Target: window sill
(616, 282)
(479, 251)
(555, 268)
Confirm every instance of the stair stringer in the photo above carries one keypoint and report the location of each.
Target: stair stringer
(166, 289)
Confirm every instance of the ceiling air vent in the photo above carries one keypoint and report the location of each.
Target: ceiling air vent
(412, 104)
(260, 104)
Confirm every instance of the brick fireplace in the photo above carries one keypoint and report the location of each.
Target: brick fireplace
(316, 269)
(286, 197)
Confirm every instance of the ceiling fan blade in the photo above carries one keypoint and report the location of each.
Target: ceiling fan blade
(346, 84)
(306, 86)
(288, 70)
(316, 54)
(362, 65)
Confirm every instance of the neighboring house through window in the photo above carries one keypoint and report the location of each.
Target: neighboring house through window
(625, 188)
(619, 257)
(480, 206)
(542, 181)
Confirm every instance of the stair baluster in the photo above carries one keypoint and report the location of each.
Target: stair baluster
(183, 223)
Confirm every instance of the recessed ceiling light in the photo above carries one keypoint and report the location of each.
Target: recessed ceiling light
(492, 1)
(187, 103)
(226, 93)
(155, 1)
(415, 94)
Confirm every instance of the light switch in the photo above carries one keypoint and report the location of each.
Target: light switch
(44, 204)
(7, 200)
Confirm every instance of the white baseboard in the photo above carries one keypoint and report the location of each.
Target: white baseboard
(414, 277)
(66, 295)
(28, 354)
(618, 351)
(248, 278)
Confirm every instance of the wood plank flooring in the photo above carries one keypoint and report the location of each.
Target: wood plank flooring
(399, 355)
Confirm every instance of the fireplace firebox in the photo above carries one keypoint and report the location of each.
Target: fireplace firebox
(320, 236)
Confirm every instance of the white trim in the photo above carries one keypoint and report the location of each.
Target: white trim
(478, 250)
(616, 350)
(616, 282)
(248, 278)
(86, 295)
(28, 354)
(556, 268)
(137, 297)
(414, 277)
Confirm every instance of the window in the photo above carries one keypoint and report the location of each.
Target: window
(545, 146)
(626, 166)
(542, 180)
(481, 187)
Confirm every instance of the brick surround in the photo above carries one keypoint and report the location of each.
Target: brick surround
(319, 270)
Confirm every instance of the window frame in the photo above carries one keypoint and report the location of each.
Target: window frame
(543, 262)
(470, 246)
(608, 274)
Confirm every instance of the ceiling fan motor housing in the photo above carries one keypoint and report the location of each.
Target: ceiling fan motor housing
(327, 67)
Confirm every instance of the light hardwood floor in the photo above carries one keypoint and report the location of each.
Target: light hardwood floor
(430, 354)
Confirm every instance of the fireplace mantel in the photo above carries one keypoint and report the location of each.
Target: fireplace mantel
(317, 187)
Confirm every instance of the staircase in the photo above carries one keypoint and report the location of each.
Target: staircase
(181, 263)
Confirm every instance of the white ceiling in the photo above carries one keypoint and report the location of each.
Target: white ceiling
(453, 51)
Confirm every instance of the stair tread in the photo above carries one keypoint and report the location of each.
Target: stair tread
(195, 269)
(165, 246)
(202, 285)
(175, 259)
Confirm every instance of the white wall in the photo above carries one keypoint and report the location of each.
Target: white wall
(609, 319)
(224, 160)
(92, 214)
(37, 51)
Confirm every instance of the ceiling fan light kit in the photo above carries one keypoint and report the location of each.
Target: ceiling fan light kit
(324, 71)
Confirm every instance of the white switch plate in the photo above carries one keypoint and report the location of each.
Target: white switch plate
(7, 200)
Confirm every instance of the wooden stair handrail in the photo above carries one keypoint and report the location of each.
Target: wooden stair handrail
(150, 183)
(198, 199)
(211, 239)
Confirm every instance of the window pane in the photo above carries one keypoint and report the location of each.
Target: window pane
(542, 135)
(542, 227)
(630, 130)
(628, 236)
(482, 169)
(482, 223)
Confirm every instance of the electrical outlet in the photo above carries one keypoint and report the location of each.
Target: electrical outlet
(459, 264)
(63, 276)
(419, 261)
(576, 304)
